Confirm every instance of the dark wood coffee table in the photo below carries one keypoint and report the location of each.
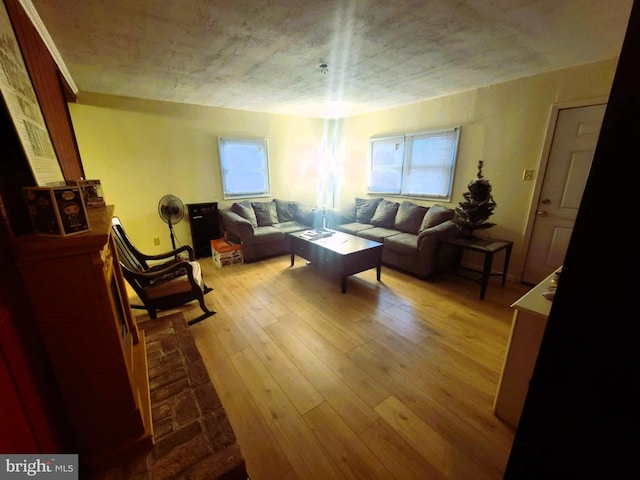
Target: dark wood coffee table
(340, 253)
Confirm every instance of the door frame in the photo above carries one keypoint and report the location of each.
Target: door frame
(543, 162)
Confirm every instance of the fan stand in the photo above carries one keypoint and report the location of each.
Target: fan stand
(173, 241)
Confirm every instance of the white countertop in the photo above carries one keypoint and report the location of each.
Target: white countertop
(533, 301)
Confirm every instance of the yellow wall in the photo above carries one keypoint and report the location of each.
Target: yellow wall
(142, 149)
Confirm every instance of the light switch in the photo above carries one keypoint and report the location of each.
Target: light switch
(527, 175)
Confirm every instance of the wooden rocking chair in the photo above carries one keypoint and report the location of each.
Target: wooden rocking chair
(175, 280)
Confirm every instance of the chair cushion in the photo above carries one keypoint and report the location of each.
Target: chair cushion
(409, 217)
(435, 216)
(385, 214)
(245, 210)
(286, 210)
(365, 208)
(266, 214)
(179, 284)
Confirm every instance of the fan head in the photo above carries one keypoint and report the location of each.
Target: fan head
(171, 209)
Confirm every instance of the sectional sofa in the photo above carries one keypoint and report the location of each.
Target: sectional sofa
(409, 232)
(262, 227)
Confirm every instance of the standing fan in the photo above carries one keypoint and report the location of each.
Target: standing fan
(171, 210)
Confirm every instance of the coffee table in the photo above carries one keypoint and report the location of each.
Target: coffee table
(339, 253)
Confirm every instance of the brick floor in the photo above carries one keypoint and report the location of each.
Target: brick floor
(193, 438)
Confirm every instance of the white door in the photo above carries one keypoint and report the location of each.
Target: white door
(570, 156)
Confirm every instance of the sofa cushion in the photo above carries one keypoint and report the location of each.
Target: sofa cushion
(435, 216)
(409, 217)
(304, 215)
(266, 214)
(353, 228)
(403, 244)
(288, 227)
(286, 210)
(365, 208)
(385, 214)
(245, 210)
(267, 234)
(378, 234)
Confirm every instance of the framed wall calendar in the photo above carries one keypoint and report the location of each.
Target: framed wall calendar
(22, 104)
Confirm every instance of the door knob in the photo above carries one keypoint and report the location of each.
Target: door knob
(541, 213)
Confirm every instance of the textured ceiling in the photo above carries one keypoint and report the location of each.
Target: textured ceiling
(263, 55)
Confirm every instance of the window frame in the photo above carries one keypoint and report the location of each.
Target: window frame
(408, 139)
(260, 143)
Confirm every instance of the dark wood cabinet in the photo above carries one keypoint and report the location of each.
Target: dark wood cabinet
(205, 226)
(98, 355)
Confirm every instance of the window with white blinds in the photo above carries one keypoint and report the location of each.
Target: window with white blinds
(244, 165)
(414, 165)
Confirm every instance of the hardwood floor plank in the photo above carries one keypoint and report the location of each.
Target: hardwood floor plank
(306, 454)
(293, 383)
(400, 458)
(365, 386)
(264, 457)
(315, 319)
(488, 447)
(433, 446)
(350, 407)
(352, 456)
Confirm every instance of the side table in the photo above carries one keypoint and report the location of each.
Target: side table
(487, 247)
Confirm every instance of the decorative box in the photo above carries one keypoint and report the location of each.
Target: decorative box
(56, 210)
(91, 192)
(225, 253)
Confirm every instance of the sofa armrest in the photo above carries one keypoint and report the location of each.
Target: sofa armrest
(430, 236)
(236, 227)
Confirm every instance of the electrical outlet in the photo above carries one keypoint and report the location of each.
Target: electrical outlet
(156, 241)
(527, 175)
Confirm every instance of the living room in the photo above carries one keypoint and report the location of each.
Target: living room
(174, 148)
(142, 149)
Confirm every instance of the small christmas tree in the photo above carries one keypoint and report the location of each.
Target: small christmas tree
(477, 207)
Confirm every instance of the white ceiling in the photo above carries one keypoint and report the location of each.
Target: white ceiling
(264, 55)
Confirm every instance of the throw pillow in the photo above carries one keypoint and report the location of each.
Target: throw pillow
(286, 210)
(365, 208)
(304, 215)
(385, 214)
(409, 217)
(435, 216)
(245, 210)
(266, 214)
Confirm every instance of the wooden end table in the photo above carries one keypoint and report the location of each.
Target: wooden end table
(487, 247)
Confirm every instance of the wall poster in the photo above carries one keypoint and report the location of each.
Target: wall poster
(24, 109)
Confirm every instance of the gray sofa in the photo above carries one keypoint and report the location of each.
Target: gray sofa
(262, 227)
(409, 232)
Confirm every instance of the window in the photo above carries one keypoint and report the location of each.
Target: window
(244, 165)
(415, 165)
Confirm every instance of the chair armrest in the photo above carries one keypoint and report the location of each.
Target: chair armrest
(173, 253)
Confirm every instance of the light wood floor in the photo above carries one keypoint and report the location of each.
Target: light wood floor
(391, 380)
